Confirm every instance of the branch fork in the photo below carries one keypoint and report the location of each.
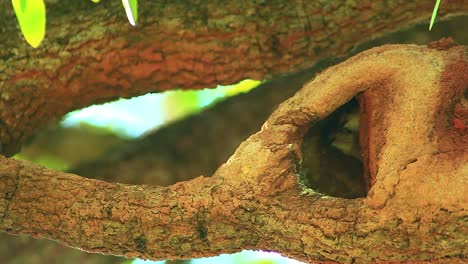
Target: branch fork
(415, 158)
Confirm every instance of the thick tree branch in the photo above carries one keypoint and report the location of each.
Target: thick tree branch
(245, 113)
(91, 55)
(192, 219)
(191, 142)
(255, 200)
(24, 249)
(192, 147)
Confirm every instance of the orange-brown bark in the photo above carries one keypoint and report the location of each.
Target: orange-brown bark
(92, 55)
(256, 201)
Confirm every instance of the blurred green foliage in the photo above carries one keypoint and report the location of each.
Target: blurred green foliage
(50, 161)
(131, 118)
(88, 133)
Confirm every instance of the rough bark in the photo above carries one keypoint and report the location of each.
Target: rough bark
(416, 141)
(91, 55)
(39, 251)
(186, 149)
(191, 142)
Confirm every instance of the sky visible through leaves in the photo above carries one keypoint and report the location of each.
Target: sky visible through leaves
(244, 257)
(132, 118)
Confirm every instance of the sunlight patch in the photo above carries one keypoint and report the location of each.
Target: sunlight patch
(244, 257)
(133, 117)
(128, 117)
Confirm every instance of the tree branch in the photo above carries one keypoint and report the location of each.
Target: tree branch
(192, 147)
(254, 107)
(256, 201)
(190, 141)
(91, 55)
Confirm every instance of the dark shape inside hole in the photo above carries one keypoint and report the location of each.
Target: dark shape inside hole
(332, 159)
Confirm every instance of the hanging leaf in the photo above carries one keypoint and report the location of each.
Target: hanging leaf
(434, 14)
(131, 9)
(23, 5)
(31, 15)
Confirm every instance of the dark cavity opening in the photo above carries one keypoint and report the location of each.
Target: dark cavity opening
(332, 158)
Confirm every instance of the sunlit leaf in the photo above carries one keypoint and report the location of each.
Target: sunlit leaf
(96, 1)
(434, 14)
(23, 5)
(242, 87)
(131, 9)
(180, 103)
(31, 15)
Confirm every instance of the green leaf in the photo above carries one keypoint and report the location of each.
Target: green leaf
(95, 1)
(31, 15)
(434, 14)
(131, 9)
(23, 5)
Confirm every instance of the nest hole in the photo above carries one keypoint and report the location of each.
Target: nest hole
(332, 158)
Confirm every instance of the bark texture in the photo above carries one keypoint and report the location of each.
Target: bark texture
(191, 142)
(92, 55)
(256, 200)
(186, 149)
(22, 249)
